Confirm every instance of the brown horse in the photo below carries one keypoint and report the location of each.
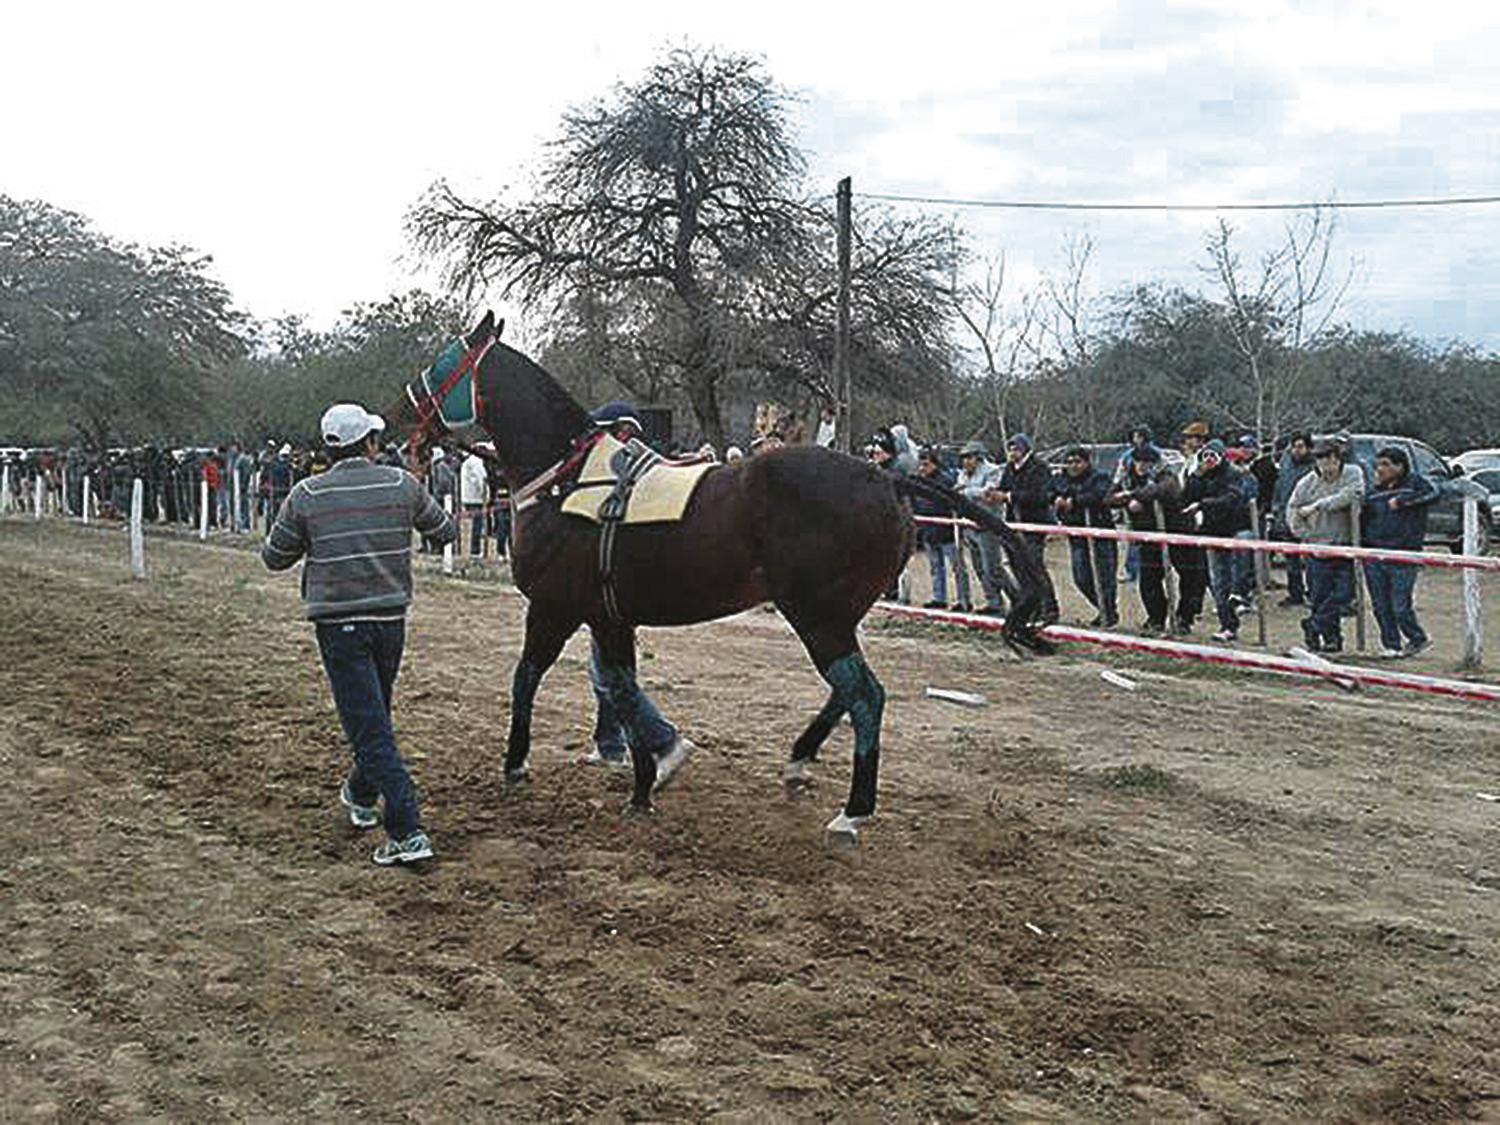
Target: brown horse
(820, 534)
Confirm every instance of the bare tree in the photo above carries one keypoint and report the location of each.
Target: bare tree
(1005, 338)
(1273, 312)
(1066, 319)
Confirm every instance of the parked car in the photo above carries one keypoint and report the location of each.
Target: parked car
(1445, 519)
(1476, 459)
(1489, 479)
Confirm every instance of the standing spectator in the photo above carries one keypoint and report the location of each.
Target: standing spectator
(1140, 437)
(1217, 496)
(354, 527)
(1296, 463)
(1194, 435)
(1026, 489)
(213, 474)
(979, 480)
(278, 483)
(827, 428)
(940, 541)
(473, 490)
(1080, 496)
(1319, 510)
(442, 480)
(883, 451)
(1152, 489)
(1247, 456)
(500, 510)
(1395, 517)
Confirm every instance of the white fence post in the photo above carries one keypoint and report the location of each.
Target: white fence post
(5, 497)
(203, 508)
(234, 516)
(85, 490)
(137, 534)
(41, 493)
(448, 546)
(1473, 607)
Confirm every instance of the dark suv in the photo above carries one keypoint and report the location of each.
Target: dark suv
(1445, 519)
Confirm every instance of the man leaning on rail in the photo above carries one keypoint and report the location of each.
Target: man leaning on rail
(353, 525)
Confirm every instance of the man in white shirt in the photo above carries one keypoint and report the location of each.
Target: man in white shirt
(473, 492)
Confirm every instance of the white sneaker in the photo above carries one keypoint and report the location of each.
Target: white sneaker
(1389, 654)
(1226, 636)
(410, 850)
(608, 761)
(671, 761)
(361, 816)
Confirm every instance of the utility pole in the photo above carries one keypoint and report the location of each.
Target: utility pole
(845, 439)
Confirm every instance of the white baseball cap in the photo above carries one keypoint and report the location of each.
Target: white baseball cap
(346, 423)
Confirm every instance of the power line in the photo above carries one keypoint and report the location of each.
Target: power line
(1032, 205)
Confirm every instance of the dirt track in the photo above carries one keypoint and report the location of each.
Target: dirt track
(1217, 897)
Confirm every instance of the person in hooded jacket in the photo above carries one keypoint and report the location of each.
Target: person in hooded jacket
(1152, 489)
(940, 542)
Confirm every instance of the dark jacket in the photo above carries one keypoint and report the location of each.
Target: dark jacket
(1266, 475)
(934, 534)
(1030, 490)
(1159, 487)
(1088, 494)
(1224, 497)
(1405, 528)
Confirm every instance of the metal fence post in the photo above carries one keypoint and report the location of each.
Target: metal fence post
(137, 535)
(1257, 560)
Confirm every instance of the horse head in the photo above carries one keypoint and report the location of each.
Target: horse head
(423, 415)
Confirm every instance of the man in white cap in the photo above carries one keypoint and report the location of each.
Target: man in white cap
(353, 526)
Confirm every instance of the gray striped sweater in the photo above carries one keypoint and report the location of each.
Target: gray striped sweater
(353, 524)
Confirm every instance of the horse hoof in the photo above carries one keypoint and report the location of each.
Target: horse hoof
(633, 811)
(843, 830)
(517, 776)
(669, 763)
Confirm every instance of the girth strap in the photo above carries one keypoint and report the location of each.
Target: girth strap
(630, 465)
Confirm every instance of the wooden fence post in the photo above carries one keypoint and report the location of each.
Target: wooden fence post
(137, 535)
(1473, 607)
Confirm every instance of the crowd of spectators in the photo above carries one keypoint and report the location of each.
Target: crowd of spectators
(1223, 488)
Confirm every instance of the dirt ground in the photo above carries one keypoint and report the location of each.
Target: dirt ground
(1218, 897)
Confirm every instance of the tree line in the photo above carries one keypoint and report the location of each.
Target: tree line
(669, 249)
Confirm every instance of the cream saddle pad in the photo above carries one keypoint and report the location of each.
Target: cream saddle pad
(659, 495)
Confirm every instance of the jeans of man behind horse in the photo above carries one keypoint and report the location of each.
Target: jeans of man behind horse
(1330, 587)
(611, 736)
(362, 659)
(1391, 586)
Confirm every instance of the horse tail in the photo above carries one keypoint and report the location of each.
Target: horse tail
(1021, 623)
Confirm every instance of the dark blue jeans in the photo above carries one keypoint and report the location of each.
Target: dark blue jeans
(1106, 557)
(362, 659)
(1221, 583)
(1330, 587)
(1391, 586)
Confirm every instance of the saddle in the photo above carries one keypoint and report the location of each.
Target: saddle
(624, 483)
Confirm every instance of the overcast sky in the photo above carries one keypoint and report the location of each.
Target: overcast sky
(288, 139)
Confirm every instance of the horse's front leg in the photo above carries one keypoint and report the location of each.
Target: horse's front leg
(545, 636)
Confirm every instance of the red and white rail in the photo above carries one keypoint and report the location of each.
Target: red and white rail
(1342, 674)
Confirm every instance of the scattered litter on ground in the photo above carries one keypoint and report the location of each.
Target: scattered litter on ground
(963, 698)
(1118, 680)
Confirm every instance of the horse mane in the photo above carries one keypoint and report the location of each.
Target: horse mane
(532, 418)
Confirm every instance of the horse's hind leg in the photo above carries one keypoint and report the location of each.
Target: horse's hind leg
(835, 652)
(545, 637)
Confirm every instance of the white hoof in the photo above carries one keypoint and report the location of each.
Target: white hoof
(796, 775)
(517, 777)
(669, 763)
(843, 830)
